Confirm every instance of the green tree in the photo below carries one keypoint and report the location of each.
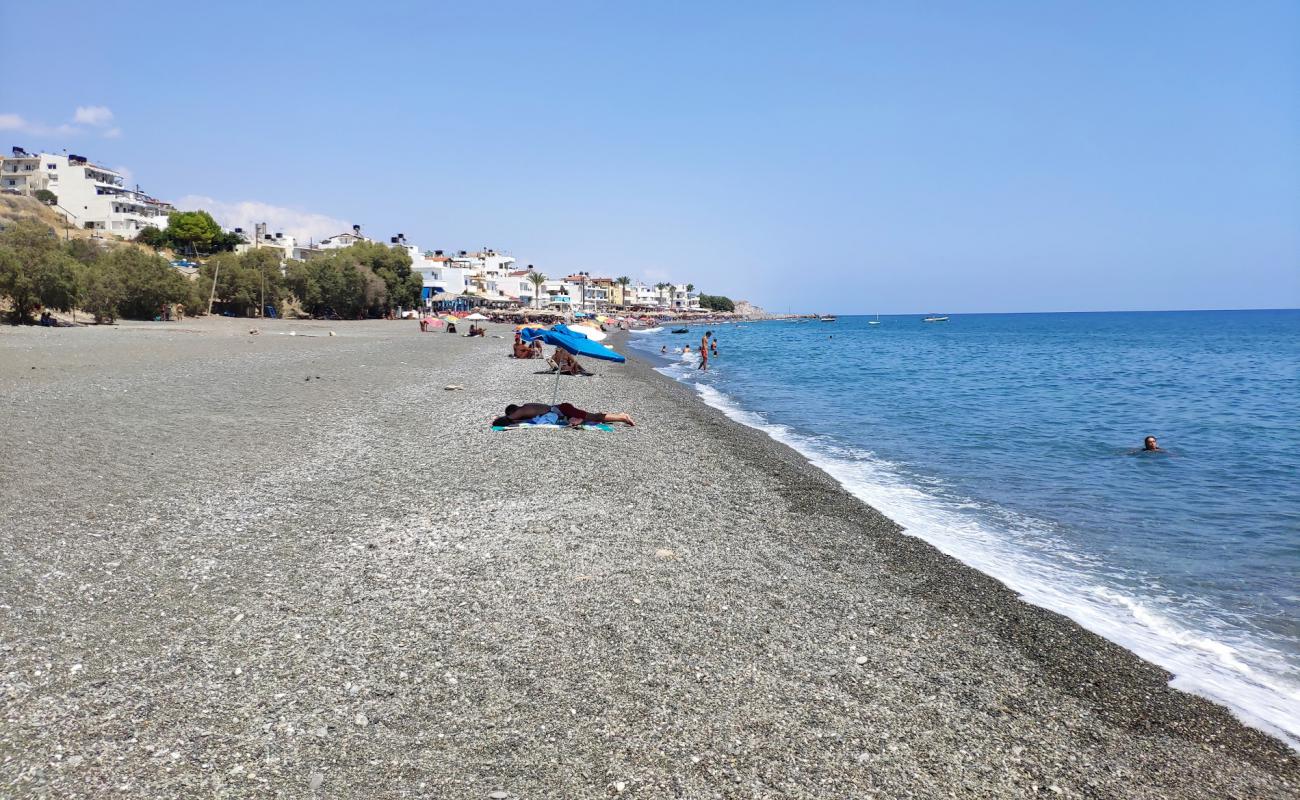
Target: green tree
(150, 236)
(85, 251)
(35, 270)
(392, 265)
(46, 196)
(192, 231)
(148, 282)
(102, 292)
(244, 280)
(624, 281)
(537, 279)
(225, 242)
(337, 283)
(716, 303)
(367, 277)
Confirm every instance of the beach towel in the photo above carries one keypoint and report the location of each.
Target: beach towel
(598, 426)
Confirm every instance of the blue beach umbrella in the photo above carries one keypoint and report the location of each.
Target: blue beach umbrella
(572, 341)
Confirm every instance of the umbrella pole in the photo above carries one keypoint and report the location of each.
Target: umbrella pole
(556, 394)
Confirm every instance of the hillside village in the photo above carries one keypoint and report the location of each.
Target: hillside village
(95, 201)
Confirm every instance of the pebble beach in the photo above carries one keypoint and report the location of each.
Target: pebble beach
(296, 564)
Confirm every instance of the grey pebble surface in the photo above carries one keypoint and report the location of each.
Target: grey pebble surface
(299, 567)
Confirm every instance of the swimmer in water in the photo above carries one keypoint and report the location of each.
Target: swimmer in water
(663, 349)
(1150, 445)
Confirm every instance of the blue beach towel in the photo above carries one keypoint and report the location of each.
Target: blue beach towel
(598, 426)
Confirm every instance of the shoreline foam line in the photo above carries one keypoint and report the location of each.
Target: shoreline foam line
(1199, 665)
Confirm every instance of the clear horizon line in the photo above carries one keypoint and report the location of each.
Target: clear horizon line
(1057, 311)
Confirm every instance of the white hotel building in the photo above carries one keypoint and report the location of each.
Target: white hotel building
(89, 196)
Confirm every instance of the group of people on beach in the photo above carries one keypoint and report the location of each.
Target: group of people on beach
(567, 414)
(561, 360)
(708, 349)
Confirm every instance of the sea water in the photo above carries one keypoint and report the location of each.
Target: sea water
(1011, 441)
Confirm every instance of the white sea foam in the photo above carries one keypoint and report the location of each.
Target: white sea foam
(1024, 555)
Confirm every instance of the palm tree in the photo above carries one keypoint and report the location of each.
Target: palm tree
(661, 286)
(623, 281)
(536, 279)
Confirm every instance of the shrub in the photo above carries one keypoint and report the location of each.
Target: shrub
(35, 271)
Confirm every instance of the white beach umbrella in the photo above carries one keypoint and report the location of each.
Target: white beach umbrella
(476, 317)
(594, 334)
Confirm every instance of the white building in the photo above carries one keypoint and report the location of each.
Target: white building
(261, 238)
(440, 275)
(90, 196)
(555, 296)
(341, 240)
(509, 287)
(642, 295)
(587, 294)
(683, 300)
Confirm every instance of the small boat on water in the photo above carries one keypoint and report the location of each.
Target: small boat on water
(933, 318)
(875, 321)
(827, 318)
(681, 330)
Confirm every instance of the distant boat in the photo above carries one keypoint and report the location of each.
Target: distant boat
(681, 330)
(875, 321)
(935, 319)
(827, 318)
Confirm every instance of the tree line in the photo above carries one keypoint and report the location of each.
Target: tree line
(37, 271)
(122, 280)
(716, 302)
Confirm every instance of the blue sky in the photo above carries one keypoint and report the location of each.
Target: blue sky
(855, 157)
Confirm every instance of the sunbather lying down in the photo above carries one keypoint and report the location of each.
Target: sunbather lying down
(562, 414)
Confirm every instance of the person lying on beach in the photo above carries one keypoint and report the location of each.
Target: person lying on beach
(560, 414)
(564, 361)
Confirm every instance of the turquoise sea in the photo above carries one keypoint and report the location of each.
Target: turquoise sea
(1008, 441)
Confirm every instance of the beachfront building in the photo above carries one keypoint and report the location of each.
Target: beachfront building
(90, 196)
(640, 295)
(441, 275)
(512, 286)
(683, 299)
(587, 293)
(555, 296)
